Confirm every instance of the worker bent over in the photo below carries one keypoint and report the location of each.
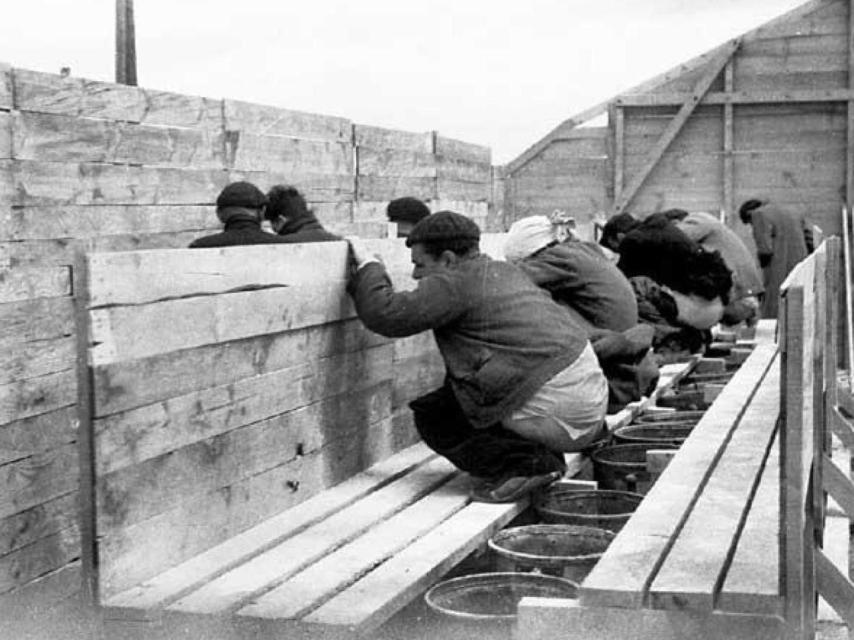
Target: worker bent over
(522, 383)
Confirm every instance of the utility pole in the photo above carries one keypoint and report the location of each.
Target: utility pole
(125, 43)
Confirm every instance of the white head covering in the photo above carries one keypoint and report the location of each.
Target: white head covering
(527, 236)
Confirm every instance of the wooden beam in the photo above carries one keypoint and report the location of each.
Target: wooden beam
(834, 587)
(849, 294)
(838, 485)
(125, 43)
(619, 152)
(729, 165)
(849, 156)
(737, 97)
(675, 126)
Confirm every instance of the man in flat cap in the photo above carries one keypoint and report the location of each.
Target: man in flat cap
(239, 206)
(406, 212)
(522, 383)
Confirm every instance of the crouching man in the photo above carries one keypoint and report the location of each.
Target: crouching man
(522, 383)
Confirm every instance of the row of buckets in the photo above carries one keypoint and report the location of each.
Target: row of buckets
(551, 558)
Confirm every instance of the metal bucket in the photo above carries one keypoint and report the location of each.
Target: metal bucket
(669, 417)
(684, 400)
(564, 550)
(485, 597)
(673, 433)
(597, 508)
(622, 467)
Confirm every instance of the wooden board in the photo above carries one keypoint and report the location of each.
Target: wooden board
(395, 162)
(41, 556)
(265, 120)
(168, 586)
(450, 189)
(38, 479)
(696, 563)
(22, 529)
(284, 560)
(382, 138)
(23, 283)
(34, 396)
(143, 550)
(20, 360)
(280, 154)
(451, 148)
(624, 574)
(41, 432)
(463, 170)
(316, 187)
(389, 187)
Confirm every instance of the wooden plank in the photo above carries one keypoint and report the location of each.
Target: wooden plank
(743, 97)
(138, 277)
(79, 97)
(625, 572)
(60, 138)
(125, 333)
(254, 152)
(90, 221)
(695, 567)
(674, 127)
(451, 148)
(169, 585)
(266, 120)
(373, 599)
(752, 580)
(27, 527)
(391, 187)
(142, 550)
(38, 479)
(23, 283)
(33, 396)
(40, 433)
(835, 587)
(284, 560)
(6, 100)
(382, 138)
(316, 187)
(20, 360)
(546, 618)
(449, 189)
(37, 598)
(39, 557)
(395, 162)
(127, 385)
(164, 427)
(464, 170)
(37, 319)
(319, 582)
(838, 485)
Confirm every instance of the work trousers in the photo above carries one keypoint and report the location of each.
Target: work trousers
(494, 452)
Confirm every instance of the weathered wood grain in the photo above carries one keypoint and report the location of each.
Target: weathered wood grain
(39, 433)
(44, 595)
(463, 170)
(60, 138)
(280, 154)
(43, 520)
(6, 135)
(275, 121)
(126, 385)
(38, 479)
(390, 187)
(143, 550)
(6, 101)
(93, 221)
(24, 565)
(20, 360)
(22, 283)
(78, 97)
(449, 189)
(155, 430)
(381, 138)
(451, 148)
(31, 397)
(395, 163)
(140, 277)
(465, 207)
(316, 187)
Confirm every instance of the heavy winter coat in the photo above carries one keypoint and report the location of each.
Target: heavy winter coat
(240, 229)
(579, 276)
(306, 229)
(500, 335)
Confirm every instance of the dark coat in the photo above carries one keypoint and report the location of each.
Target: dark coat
(578, 275)
(238, 230)
(500, 335)
(306, 229)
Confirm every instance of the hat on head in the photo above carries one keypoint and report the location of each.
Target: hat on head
(241, 194)
(407, 209)
(621, 223)
(443, 226)
(527, 236)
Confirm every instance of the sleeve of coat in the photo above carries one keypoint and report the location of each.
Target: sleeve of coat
(763, 235)
(434, 303)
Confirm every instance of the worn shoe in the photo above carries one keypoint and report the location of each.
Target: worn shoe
(513, 488)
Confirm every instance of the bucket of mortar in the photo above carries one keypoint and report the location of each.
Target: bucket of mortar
(493, 597)
(684, 400)
(564, 550)
(670, 417)
(622, 467)
(596, 508)
(657, 433)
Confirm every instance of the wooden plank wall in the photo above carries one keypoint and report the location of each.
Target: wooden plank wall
(115, 168)
(782, 147)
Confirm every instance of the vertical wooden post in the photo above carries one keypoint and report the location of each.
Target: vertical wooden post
(125, 43)
(619, 152)
(849, 168)
(729, 174)
(85, 433)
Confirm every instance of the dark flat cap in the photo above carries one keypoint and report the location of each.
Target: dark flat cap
(241, 194)
(443, 226)
(407, 209)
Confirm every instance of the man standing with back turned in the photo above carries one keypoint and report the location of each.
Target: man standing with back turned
(522, 383)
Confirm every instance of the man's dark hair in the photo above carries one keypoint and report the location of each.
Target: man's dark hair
(445, 231)
(621, 223)
(747, 208)
(705, 274)
(285, 202)
(407, 209)
(675, 215)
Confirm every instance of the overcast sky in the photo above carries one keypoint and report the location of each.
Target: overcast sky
(495, 73)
